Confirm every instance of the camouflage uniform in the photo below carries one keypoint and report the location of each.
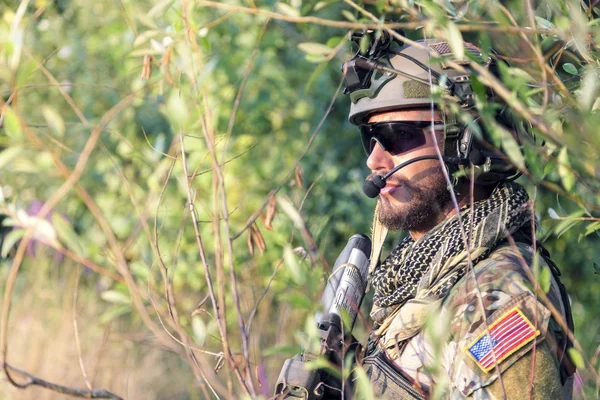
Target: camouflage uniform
(437, 359)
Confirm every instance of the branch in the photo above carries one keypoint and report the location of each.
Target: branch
(220, 323)
(34, 381)
(278, 188)
(375, 25)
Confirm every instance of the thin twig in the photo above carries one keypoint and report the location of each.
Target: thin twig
(100, 353)
(238, 96)
(207, 275)
(34, 381)
(152, 147)
(291, 171)
(121, 263)
(76, 330)
(218, 20)
(196, 174)
(170, 298)
(48, 205)
(378, 25)
(262, 295)
(225, 218)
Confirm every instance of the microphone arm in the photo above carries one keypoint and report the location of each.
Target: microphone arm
(373, 187)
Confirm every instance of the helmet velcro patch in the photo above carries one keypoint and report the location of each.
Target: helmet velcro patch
(415, 90)
(444, 50)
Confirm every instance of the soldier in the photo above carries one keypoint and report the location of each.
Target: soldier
(455, 313)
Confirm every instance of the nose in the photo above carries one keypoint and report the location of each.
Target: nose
(380, 161)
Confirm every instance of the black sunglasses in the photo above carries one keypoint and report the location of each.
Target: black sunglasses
(395, 137)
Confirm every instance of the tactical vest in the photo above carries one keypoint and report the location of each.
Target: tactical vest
(389, 381)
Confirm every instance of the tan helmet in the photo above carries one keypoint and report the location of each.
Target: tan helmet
(401, 77)
(391, 75)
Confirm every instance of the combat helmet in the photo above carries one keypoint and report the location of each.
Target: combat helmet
(391, 75)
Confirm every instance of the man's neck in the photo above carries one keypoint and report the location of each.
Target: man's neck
(463, 198)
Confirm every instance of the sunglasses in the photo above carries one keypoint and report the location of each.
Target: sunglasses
(395, 137)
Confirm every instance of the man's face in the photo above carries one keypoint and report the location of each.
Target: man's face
(414, 197)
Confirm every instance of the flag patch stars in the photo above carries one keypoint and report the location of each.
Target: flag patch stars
(504, 336)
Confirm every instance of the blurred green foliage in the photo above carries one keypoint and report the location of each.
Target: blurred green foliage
(170, 66)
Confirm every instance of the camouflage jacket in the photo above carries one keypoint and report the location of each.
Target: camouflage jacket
(451, 357)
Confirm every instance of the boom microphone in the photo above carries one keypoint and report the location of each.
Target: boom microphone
(373, 187)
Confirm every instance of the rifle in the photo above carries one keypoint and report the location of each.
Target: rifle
(344, 291)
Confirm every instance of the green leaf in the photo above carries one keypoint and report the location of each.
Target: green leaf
(455, 41)
(11, 222)
(145, 36)
(147, 21)
(596, 105)
(67, 234)
(577, 358)
(199, 329)
(291, 261)
(589, 88)
(334, 41)
(282, 350)
(510, 146)
(177, 109)
(159, 9)
(322, 4)
(535, 266)
(299, 301)
(314, 48)
(314, 75)
(290, 210)
(315, 58)
(346, 320)
(12, 125)
(545, 279)
(544, 23)
(113, 296)
(26, 69)
(549, 167)
(54, 120)
(519, 73)
(10, 239)
(363, 384)
(323, 365)
(114, 312)
(365, 42)
(568, 223)
(288, 10)
(564, 170)
(570, 68)
(140, 270)
(348, 15)
(145, 52)
(8, 155)
(593, 227)
(596, 269)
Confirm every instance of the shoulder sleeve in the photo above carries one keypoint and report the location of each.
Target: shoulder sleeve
(497, 323)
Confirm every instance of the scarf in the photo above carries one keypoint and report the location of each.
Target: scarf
(417, 275)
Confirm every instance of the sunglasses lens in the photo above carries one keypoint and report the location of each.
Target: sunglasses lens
(367, 138)
(393, 137)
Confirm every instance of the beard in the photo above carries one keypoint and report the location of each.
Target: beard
(428, 198)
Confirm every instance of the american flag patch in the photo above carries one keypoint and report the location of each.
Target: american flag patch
(505, 336)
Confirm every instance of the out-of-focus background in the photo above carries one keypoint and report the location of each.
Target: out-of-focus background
(158, 158)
